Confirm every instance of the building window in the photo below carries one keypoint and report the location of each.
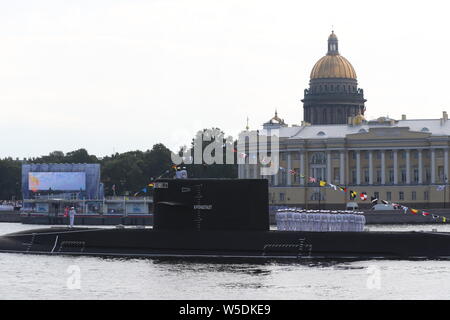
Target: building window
(401, 195)
(376, 195)
(284, 178)
(282, 196)
(416, 175)
(353, 155)
(378, 155)
(403, 154)
(427, 174)
(378, 175)
(318, 158)
(336, 175)
(391, 175)
(426, 195)
(353, 176)
(296, 176)
(388, 196)
(391, 155)
(366, 175)
(318, 173)
(403, 170)
(441, 174)
(413, 195)
(335, 155)
(366, 155)
(416, 154)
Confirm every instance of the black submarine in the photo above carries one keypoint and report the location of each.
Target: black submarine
(223, 218)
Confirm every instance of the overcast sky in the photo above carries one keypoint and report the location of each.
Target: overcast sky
(120, 75)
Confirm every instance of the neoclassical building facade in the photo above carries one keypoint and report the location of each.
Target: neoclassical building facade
(403, 161)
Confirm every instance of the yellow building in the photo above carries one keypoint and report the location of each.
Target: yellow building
(402, 161)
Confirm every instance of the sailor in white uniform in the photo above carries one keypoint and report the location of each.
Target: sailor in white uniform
(72, 214)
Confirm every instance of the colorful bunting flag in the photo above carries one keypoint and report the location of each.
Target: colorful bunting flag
(374, 200)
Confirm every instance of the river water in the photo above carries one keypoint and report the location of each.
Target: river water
(60, 277)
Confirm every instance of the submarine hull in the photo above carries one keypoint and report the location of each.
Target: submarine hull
(229, 244)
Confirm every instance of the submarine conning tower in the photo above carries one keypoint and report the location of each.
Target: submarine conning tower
(211, 204)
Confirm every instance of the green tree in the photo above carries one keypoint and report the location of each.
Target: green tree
(10, 172)
(211, 170)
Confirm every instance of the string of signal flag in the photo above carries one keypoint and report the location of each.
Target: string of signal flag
(322, 183)
(363, 196)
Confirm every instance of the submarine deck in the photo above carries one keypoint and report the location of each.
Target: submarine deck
(134, 242)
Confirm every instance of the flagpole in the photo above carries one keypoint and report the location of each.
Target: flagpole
(445, 189)
(320, 195)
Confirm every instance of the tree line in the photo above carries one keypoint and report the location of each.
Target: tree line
(121, 173)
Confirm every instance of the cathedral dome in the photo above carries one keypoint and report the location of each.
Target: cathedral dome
(333, 65)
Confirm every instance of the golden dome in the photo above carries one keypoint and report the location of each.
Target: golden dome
(333, 65)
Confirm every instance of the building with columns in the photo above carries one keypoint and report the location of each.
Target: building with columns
(402, 161)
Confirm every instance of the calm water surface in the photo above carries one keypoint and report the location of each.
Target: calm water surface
(52, 277)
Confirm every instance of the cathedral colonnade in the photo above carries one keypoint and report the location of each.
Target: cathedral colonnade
(405, 175)
(390, 166)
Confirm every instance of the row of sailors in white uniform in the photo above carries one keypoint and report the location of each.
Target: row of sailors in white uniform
(298, 220)
(319, 211)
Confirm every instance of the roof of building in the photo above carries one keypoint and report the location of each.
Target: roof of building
(436, 127)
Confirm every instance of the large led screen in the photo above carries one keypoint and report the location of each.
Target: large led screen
(64, 181)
